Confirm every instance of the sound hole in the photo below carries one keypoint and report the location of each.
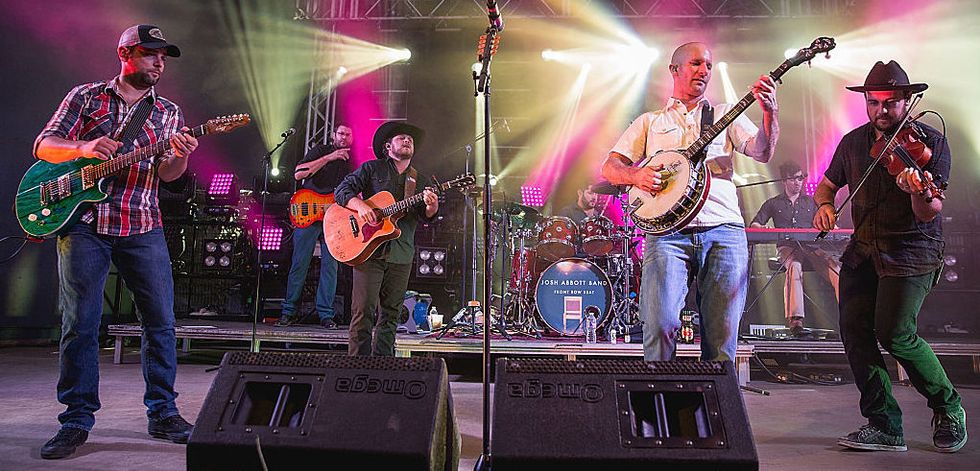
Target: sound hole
(272, 404)
(669, 414)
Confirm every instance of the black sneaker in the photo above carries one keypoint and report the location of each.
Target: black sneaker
(287, 320)
(173, 428)
(328, 324)
(872, 438)
(949, 431)
(64, 443)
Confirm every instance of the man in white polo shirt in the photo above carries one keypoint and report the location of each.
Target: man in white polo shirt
(711, 249)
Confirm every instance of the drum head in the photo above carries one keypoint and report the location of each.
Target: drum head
(565, 289)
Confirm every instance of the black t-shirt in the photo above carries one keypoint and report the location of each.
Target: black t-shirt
(329, 176)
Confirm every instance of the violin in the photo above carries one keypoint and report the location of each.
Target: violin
(908, 150)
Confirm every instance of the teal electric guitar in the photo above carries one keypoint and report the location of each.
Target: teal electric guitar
(51, 197)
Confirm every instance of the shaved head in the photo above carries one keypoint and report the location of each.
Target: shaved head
(681, 53)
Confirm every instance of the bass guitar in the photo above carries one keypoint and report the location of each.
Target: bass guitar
(307, 206)
(352, 242)
(52, 197)
(686, 180)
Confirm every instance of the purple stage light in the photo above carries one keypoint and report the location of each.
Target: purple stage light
(270, 238)
(532, 196)
(221, 184)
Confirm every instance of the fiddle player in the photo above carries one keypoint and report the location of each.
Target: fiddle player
(892, 261)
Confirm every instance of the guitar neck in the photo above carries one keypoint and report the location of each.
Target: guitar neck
(409, 202)
(121, 162)
(709, 134)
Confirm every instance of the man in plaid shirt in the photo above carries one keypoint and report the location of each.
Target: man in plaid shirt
(124, 230)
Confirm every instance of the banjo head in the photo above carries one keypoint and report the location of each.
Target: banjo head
(678, 183)
(680, 200)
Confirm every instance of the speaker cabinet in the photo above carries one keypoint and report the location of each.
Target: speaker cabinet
(597, 414)
(309, 410)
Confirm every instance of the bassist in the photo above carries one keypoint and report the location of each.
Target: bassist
(125, 230)
(321, 170)
(381, 280)
(712, 247)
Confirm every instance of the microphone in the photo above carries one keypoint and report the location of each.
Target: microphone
(288, 132)
(916, 117)
(494, 15)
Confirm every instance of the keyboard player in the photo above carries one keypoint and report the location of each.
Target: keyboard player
(794, 209)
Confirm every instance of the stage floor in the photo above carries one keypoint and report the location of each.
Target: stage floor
(794, 428)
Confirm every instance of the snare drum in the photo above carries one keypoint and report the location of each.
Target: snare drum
(597, 236)
(556, 238)
(565, 289)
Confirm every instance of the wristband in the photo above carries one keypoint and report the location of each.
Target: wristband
(825, 202)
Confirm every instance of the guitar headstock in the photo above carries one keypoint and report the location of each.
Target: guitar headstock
(822, 44)
(223, 124)
(461, 181)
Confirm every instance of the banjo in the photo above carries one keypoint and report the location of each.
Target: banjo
(686, 181)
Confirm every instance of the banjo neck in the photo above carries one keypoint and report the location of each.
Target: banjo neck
(694, 151)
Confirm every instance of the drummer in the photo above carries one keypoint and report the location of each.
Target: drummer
(584, 206)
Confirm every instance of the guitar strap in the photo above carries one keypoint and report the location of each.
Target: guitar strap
(410, 181)
(707, 119)
(136, 120)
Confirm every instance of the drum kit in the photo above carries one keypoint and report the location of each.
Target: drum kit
(556, 270)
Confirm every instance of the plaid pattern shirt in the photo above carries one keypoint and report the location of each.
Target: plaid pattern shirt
(96, 109)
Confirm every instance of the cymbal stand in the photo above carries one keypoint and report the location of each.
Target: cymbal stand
(626, 308)
(519, 304)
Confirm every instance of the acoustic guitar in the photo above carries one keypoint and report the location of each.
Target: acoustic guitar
(353, 242)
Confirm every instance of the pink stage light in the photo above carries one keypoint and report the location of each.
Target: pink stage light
(532, 196)
(221, 184)
(270, 238)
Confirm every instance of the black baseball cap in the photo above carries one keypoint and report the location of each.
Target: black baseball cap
(148, 36)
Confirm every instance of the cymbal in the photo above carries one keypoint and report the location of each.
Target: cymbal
(517, 209)
(605, 188)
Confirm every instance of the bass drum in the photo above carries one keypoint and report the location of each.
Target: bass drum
(565, 289)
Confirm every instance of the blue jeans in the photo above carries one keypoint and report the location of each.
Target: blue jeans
(717, 258)
(83, 266)
(304, 240)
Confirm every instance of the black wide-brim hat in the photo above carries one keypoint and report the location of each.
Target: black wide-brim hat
(887, 77)
(391, 129)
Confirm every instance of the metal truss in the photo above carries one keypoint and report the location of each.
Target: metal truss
(353, 10)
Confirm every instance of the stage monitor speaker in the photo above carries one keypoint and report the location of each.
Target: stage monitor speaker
(310, 410)
(600, 414)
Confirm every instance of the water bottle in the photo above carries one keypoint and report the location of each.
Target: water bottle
(612, 334)
(590, 326)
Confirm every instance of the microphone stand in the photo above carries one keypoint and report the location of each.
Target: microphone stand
(482, 84)
(266, 166)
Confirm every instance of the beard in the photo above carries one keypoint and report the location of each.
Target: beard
(143, 79)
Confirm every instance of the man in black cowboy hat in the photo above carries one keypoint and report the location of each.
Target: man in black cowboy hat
(383, 278)
(888, 268)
